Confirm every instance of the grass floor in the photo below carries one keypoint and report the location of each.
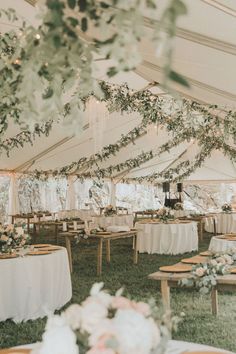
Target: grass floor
(199, 325)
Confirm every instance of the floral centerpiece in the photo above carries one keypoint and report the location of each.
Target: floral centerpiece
(109, 210)
(106, 324)
(165, 214)
(226, 208)
(12, 236)
(179, 206)
(204, 274)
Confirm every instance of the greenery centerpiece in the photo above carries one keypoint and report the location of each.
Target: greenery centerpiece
(106, 324)
(165, 215)
(13, 236)
(226, 208)
(109, 210)
(179, 206)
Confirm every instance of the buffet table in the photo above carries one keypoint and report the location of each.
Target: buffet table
(34, 286)
(105, 221)
(219, 244)
(224, 223)
(167, 238)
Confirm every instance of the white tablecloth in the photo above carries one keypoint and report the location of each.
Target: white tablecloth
(182, 213)
(173, 347)
(221, 245)
(83, 214)
(105, 221)
(225, 223)
(167, 238)
(34, 286)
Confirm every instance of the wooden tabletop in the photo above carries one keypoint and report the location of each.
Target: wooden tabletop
(112, 235)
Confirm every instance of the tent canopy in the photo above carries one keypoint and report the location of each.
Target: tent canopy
(205, 55)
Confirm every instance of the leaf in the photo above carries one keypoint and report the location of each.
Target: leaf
(174, 76)
(73, 21)
(84, 24)
(82, 5)
(71, 3)
(179, 7)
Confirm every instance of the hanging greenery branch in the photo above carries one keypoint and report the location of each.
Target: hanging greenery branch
(24, 137)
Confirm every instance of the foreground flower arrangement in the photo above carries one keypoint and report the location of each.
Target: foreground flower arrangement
(165, 214)
(13, 236)
(109, 210)
(204, 274)
(106, 324)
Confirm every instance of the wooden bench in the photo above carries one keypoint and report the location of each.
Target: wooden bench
(101, 238)
(168, 280)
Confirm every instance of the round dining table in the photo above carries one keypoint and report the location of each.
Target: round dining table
(167, 238)
(34, 286)
(220, 244)
(173, 347)
(224, 223)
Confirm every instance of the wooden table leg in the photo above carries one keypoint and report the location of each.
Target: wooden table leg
(68, 247)
(214, 301)
(214, 223)
(56, 233)
(165, 292)
(108, 250)
(28, 225)
(99, 259)
(135, 249)
(201, 230)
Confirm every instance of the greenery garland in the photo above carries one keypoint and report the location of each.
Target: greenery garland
(24, 136)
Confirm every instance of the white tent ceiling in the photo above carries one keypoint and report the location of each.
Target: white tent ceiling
(205, 54)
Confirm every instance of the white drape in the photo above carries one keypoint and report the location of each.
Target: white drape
(113, 194)
(97, 117)
(71, 193)
(13, 205)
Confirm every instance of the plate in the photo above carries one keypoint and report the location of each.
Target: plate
(194, 260)
(39, 245)
(8, 256)
(233, 271)
(205, 254)
(15, 351)
(205, 352)
(38, 253)
(51, 248)
(180, 268)
(103, 233)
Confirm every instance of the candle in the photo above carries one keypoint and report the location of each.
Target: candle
(64, 226)
(75, 225)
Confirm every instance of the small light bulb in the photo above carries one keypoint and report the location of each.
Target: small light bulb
(37, 36)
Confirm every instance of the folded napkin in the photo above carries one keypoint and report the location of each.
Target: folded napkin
(118, 228)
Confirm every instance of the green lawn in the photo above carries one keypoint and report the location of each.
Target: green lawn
(198, 325)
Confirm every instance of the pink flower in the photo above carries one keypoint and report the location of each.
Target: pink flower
(142, 308)
(121, 302)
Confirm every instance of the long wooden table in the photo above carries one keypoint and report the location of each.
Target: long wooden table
(101, 238)
(28, 217)
(168, 280)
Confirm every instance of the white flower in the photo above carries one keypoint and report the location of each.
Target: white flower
(73, 316)
(200, 272)
(135, 333)
(93, 312)
(19, 231)
(213, 262)
(58, 338)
